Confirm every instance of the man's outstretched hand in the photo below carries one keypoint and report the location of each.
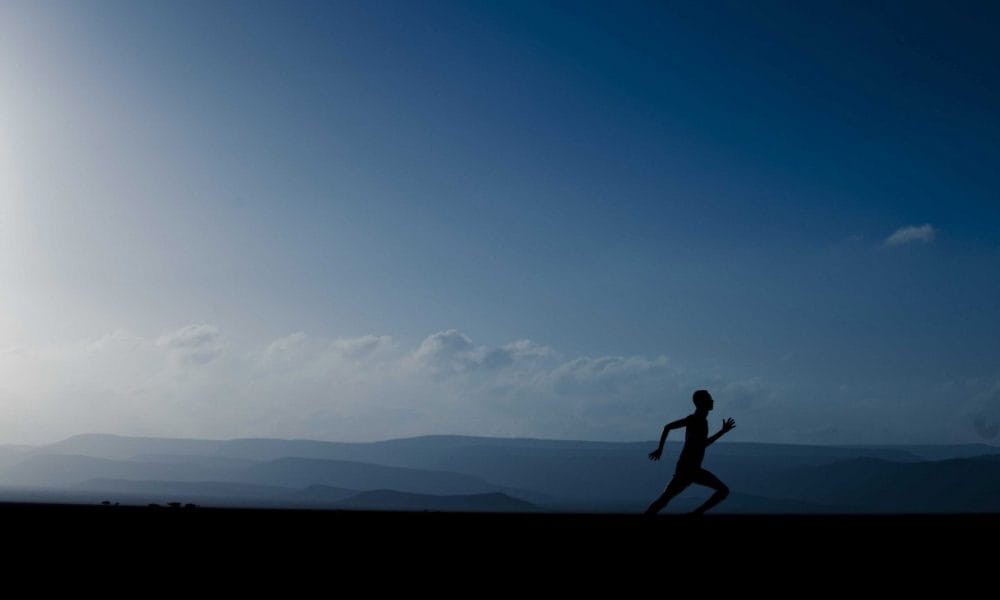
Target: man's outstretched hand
(655, 454)
(728, 424)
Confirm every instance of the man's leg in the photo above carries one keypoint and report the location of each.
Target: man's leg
(676, 486)
(721, 490)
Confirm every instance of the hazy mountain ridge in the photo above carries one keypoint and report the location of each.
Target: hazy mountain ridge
(302, 472)
(62, 470)
(57, 470)
(551, 474)
(101, 445)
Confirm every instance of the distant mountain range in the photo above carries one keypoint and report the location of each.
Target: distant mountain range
(501, 474)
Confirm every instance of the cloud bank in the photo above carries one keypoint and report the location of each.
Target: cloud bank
(195, 382)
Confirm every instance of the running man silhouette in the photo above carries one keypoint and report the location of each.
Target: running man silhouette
(689, 469)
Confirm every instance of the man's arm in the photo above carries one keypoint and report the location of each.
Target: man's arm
(655, 454)
(727, 425)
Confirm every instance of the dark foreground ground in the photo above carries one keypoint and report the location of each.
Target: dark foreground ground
(152, 549)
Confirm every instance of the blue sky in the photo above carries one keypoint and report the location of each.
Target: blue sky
(549, 219)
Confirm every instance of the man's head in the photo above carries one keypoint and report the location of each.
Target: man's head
(703, 400)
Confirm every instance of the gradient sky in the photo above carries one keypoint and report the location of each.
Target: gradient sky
(363, 220)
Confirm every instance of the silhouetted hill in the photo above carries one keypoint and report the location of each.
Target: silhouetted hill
(394, 500)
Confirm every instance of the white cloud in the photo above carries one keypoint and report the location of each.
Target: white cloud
(527, 349)
(453, 352)
(446, 350)
(362, 347)
(194, 344)
(192, 336)
(912, 233)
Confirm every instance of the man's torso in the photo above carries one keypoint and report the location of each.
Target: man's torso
(696, 434)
